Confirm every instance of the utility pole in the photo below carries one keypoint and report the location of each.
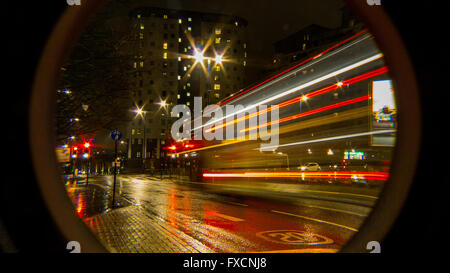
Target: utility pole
(116, 135)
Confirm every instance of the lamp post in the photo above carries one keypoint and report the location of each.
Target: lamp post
(163, 104)
(287, 159)
(141, 112)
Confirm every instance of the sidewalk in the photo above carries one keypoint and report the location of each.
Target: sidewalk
(128, 228)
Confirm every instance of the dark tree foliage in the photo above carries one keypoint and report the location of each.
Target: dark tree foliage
(97, 76)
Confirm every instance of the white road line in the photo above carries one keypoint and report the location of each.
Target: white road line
(227, 217)
(238, 204)
(338, 210)
(314, 219)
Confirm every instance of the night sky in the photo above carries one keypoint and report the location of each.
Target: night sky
(269, 20)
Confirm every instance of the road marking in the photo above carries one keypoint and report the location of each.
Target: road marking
(301, 250)
(338, 210)
(314, 219)
(301, 190)
(238, 204)
(227, 217)
(296, 237)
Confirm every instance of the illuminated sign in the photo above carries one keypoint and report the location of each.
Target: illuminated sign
(384, 112)
(354, 155)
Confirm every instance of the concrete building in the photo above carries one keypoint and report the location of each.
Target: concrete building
(175, 56)
(311, 40)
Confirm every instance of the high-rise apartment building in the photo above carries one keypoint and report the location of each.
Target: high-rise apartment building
(177, 55)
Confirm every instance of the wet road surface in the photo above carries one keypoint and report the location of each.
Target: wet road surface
(230, 220)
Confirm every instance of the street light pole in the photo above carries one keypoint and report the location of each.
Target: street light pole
(144, 144)
(115, 172)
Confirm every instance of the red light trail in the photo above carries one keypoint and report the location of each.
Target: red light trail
(383, 176)
(295, 66)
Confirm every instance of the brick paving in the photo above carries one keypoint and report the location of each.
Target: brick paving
(131, 229)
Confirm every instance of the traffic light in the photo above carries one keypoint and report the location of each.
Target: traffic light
(86, 148)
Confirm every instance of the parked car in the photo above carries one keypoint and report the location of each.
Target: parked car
(311, 166)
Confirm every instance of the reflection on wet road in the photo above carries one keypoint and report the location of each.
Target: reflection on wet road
(229, 221)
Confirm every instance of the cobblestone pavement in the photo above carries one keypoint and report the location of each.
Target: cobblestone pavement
(130, 228)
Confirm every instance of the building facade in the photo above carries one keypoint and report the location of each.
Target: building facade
(177, 55)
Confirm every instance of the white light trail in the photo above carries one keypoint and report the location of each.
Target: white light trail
(300, 87)
(329, 138)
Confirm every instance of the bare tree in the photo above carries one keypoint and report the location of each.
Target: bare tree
(93, 93)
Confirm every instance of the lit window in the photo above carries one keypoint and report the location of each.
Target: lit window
(245, 45)
(165, 45)
(133, 131)
(216, 78)
(188, 85)
(189, 28)
(165, 55)
(244, 63)
(179, 77)
(188, 103)
(134, 65)
(228, 41)
(138, 16)
(179, 40)
(185, 68)
(141, 64)
(216, 86)
(217, 95)
(179, 21)
(245, 54)
(141, 36)
(178, 96)
(142, 26)
(189, 19)
(218, 31)
(236, 23)
(188, 94)
(165, 16)
(217, 40)
(179, 58)
(217, 68)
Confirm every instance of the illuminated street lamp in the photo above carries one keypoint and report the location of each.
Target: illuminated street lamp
(198, 56)
(163, 103)
(141, 112)
(218, 59)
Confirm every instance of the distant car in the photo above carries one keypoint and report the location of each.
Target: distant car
(311, 166)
